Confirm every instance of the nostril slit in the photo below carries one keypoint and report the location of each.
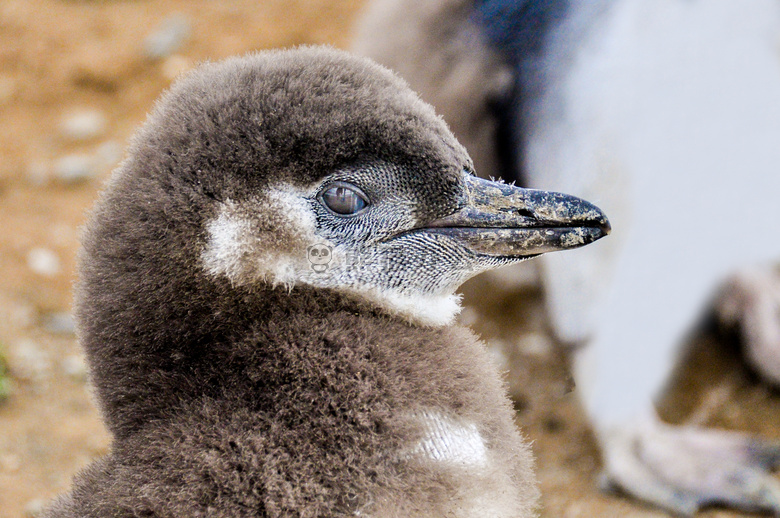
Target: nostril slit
(526, 213)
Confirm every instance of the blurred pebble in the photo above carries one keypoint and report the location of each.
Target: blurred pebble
(35, 507)
(75, 367)
(43, 262)
(29, 362)
(84, 124)
(60, 323)
(535, 344)
(168, 37)
(75, 168)
(174, 66)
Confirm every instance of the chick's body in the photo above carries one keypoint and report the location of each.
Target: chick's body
(321, 413)
(236, 380)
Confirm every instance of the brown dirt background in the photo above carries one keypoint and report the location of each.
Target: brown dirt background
(57, 56)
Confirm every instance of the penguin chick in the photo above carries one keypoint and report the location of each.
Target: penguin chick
(265, 296)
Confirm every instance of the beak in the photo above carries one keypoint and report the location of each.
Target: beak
(502, 220)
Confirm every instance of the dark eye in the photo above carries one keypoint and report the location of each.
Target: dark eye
(344, 200)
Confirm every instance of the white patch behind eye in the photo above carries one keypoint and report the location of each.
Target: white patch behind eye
(239, 246)
(241, 239)
(228, 236)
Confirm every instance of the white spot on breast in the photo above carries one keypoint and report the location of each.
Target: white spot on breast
(447, 440)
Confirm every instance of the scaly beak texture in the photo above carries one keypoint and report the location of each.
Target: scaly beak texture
(503, 220)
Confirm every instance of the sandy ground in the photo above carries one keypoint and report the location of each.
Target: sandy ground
(60, 60)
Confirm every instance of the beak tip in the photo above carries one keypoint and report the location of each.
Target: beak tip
(606, 227)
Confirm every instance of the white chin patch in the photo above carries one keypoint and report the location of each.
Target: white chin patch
(424, 310)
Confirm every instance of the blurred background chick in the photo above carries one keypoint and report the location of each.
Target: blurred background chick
(667, 114)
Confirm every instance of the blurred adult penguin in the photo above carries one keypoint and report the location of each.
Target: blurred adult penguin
(667, 114)
(266, 298)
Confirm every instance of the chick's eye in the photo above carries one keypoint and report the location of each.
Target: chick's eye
(343, 200)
